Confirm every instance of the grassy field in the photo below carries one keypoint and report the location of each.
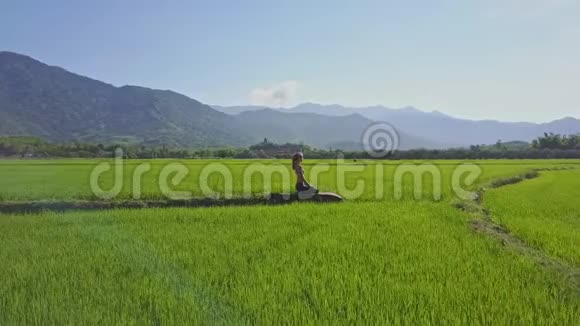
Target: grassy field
(381, 261)
(70, 179)
(545, 212)
(371, 262)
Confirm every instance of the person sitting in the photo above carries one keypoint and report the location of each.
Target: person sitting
(304, 189)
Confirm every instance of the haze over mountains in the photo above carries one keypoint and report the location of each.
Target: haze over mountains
(435, 125)
(50, 102)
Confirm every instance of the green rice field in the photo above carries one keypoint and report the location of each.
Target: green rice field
(370, 259)
(70, 179)
(545, 212)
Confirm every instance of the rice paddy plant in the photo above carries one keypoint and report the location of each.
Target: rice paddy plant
(405, 262)
(544, 212)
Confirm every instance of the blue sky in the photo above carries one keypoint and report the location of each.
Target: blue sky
(510, 60)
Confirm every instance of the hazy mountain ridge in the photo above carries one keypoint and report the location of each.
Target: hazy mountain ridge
(342, 132)
(436, 125)
(41, 100)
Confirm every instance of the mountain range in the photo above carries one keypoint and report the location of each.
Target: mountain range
(446, 130)
(50, 102)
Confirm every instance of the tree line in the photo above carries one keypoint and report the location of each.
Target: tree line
(547, 146)
(556, 141)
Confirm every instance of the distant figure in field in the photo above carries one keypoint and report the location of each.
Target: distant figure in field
(305, 190)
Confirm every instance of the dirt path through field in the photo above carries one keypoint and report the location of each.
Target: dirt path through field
(483, 223)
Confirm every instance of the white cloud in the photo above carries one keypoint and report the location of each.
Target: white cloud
(277, 95)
